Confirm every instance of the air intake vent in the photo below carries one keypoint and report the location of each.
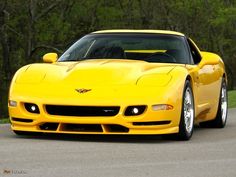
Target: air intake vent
(82, 111)
(21, 120)
(152, 123)
(49, 126)
(117, 128)
(82, 127)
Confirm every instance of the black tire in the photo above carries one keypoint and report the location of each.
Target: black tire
(220, 120)
(184, 134)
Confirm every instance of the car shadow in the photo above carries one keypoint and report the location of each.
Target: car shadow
(97, 138)
(101, 138)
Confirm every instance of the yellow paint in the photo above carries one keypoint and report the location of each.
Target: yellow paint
(140, 31)
(50, 57)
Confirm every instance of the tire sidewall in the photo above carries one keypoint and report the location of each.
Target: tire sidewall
(182, 126)
(219, 119)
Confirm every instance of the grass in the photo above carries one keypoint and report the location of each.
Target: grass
(4, 121)
(231, 99)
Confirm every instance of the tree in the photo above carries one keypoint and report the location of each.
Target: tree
(31, 28)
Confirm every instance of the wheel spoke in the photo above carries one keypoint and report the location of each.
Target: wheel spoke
(188, 110)
(223, 103)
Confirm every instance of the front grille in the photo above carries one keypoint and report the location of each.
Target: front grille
(82, 111)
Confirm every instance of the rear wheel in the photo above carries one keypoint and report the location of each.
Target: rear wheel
(221, 116)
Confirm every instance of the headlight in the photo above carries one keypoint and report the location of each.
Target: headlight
(32, 75)
(154, 80)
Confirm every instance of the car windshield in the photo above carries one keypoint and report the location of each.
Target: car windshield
(156, 48)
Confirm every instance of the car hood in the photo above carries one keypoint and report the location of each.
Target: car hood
(97, 72)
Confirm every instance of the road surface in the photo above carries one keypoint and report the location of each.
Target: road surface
(210, 153)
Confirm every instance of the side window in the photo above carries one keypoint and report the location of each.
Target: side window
(194, 52)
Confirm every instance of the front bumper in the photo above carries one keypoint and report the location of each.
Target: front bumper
(150, 122)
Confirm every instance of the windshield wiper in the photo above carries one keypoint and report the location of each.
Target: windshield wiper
(71, 60)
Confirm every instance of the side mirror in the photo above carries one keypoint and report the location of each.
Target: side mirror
(209, 61)
(50, 57)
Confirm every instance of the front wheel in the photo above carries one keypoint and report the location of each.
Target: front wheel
(187, 114)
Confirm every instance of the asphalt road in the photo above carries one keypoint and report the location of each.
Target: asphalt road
(210, 153)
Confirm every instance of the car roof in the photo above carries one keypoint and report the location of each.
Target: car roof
(138, 31)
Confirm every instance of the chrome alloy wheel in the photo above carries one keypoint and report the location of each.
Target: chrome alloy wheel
(188, 110)
(223, 103)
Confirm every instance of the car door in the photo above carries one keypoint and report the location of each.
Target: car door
(206, 80)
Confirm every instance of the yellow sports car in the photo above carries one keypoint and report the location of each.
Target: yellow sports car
(121, 82)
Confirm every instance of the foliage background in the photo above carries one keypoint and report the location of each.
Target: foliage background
(30, 28)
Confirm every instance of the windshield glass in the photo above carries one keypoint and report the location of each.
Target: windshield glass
(157, 48)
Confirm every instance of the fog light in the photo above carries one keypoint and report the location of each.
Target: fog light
(12, 103)
(135, 110)
(159, 107)
(32, 108)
